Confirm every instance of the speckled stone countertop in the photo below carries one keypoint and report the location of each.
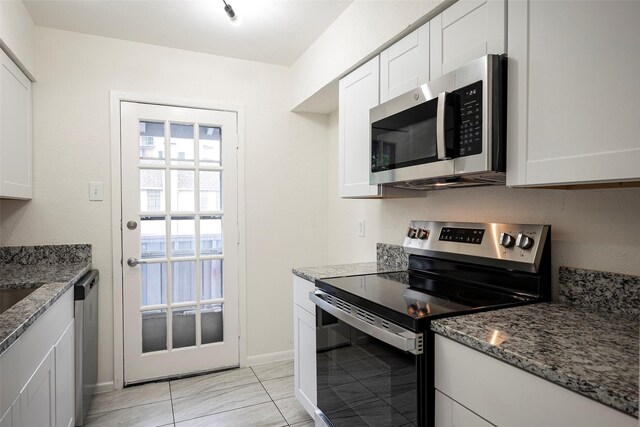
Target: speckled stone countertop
(590, 352)
(50, 269)
(388, 258)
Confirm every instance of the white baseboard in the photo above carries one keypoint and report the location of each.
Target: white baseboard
(259, 359)
(104, 387)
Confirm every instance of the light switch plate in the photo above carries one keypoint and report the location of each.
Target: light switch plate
(96, 191)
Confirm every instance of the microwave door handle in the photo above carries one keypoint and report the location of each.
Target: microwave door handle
(440, 116)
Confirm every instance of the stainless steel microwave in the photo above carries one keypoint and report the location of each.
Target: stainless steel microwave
(448, 132)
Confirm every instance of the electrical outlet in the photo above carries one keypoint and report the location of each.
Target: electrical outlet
(96, 191)
(361, 228)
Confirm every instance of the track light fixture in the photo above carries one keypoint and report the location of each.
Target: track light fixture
(230, 12)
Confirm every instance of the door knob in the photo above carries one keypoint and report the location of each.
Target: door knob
(132, 225)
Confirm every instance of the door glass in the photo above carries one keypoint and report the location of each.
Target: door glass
(182, 144)
(184, 327)
(210, 235)
(154, 283)
(182, 190)
(154, 330)
(152, 190)
(211, 323)
(183, 281)
(151, 143)
(183, 236)
(153, 240)
(209, 145)
(211, 279)
(210, 184)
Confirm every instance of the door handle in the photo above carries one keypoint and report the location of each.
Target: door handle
(132, 262)
(440, 113)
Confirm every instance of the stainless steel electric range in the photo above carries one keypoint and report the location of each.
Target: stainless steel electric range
(373, 340)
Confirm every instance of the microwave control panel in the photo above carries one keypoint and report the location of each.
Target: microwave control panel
(471, 119)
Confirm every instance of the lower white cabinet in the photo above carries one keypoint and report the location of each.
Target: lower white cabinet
(304, 345)
(450, 413)
(484, 391)
(37, 399)
(65, 378)
(37, 386)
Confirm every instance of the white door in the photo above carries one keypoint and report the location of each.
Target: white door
(179, 240)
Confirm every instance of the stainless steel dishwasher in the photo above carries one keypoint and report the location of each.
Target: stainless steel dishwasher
(86, 314)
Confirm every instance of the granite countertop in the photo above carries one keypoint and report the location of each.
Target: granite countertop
(591, 352)
(50, 269)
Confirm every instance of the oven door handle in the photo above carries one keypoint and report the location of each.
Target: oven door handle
(396, 336)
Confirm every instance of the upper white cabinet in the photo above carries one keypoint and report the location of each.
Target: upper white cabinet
(405, 65)
(573, 92)
(467, 30)
(484, 391)
(15, 131)
(358, 94)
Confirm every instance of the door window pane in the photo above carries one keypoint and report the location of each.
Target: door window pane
(210, 184)
(154, 330)
(184, 327)
(209, 145)
(182, 194)
(151, 143)
(182, 145)
(153, 240)
(211, 279)
(211, 316)
(210, 235)
(153, 278)
(183, 281)
(183, 236)
(152, 190)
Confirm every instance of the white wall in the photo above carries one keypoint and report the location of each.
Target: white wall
(17, 35)
(593, 229)
(286, 161)
(360, 31)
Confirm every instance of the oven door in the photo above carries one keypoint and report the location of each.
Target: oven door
(369, 372)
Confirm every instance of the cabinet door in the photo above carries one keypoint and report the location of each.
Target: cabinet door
(466, 31)
(37, 399)
(304, 348)
(358, 94)
(65, 378)
(405, 65)
(15, 131)
(573, 92)
(450, 413)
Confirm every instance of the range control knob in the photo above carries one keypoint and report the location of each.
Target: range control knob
(506, 240)
(523, 241)
(422, 233)
(411, 232)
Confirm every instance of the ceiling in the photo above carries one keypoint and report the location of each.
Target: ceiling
(271, 31)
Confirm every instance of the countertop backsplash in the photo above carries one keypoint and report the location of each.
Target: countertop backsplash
(610, 292)
(391, 257)
(45, 254)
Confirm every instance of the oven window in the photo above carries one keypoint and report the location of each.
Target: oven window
(363, 381)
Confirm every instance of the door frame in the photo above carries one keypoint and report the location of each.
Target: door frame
(116, 97)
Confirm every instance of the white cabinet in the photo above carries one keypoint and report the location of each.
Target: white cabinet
(15, 131)
(573, 92)
(358, 94)
(65, 378)
(405, 65)
(507, 396)
(304, 345)
(466, 31)
(37, 371)
(37, 399)
(450, 413)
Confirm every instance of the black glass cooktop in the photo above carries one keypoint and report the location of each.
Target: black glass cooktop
(411, 299)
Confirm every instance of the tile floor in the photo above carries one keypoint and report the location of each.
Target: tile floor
(258, 396)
